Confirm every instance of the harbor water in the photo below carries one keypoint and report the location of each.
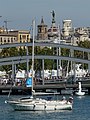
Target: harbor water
(80, 111)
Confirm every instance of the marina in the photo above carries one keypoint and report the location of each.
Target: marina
(37, 104)
(59, 87)
(43, 84)
(44, 61)
(80, 108)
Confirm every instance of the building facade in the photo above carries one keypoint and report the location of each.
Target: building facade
(67, 29)
(18, 36)
(42, 30)
(8, 38)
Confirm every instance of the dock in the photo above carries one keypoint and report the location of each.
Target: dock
(21, 90)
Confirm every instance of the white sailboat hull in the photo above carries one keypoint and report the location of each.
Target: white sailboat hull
(40, 105)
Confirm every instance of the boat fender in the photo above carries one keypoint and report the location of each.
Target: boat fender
(6, 101)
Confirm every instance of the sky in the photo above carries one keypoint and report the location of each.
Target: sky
(20, 13)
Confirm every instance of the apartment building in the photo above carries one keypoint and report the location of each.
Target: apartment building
(22, 35)
(8, 38)
(18, 36)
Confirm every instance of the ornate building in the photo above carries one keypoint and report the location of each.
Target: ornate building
(53, 31)
(42, 31)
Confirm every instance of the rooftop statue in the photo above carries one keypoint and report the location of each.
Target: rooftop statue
(53, 16)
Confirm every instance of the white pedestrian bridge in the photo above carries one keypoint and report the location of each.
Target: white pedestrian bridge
(22, 59)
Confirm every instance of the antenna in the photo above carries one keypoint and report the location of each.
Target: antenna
(6, 22)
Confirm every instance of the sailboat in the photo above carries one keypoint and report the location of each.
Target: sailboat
(80, 93)
(38, 104)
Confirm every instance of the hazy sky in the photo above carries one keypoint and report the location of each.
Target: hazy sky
(20, 13)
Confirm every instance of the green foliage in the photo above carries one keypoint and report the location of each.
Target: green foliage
(65, 52)
(84, 55)
(85, 44)
(8, 52)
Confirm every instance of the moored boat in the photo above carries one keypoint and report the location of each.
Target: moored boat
(38, 104)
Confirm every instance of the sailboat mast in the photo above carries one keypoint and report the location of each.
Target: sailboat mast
(33, 22)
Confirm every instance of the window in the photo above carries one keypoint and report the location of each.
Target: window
(1, 39)
(39, 30)
(24, 37)
(8, 40)
(27, 37)
(4, 40)
(12, 40)
(20, 37)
